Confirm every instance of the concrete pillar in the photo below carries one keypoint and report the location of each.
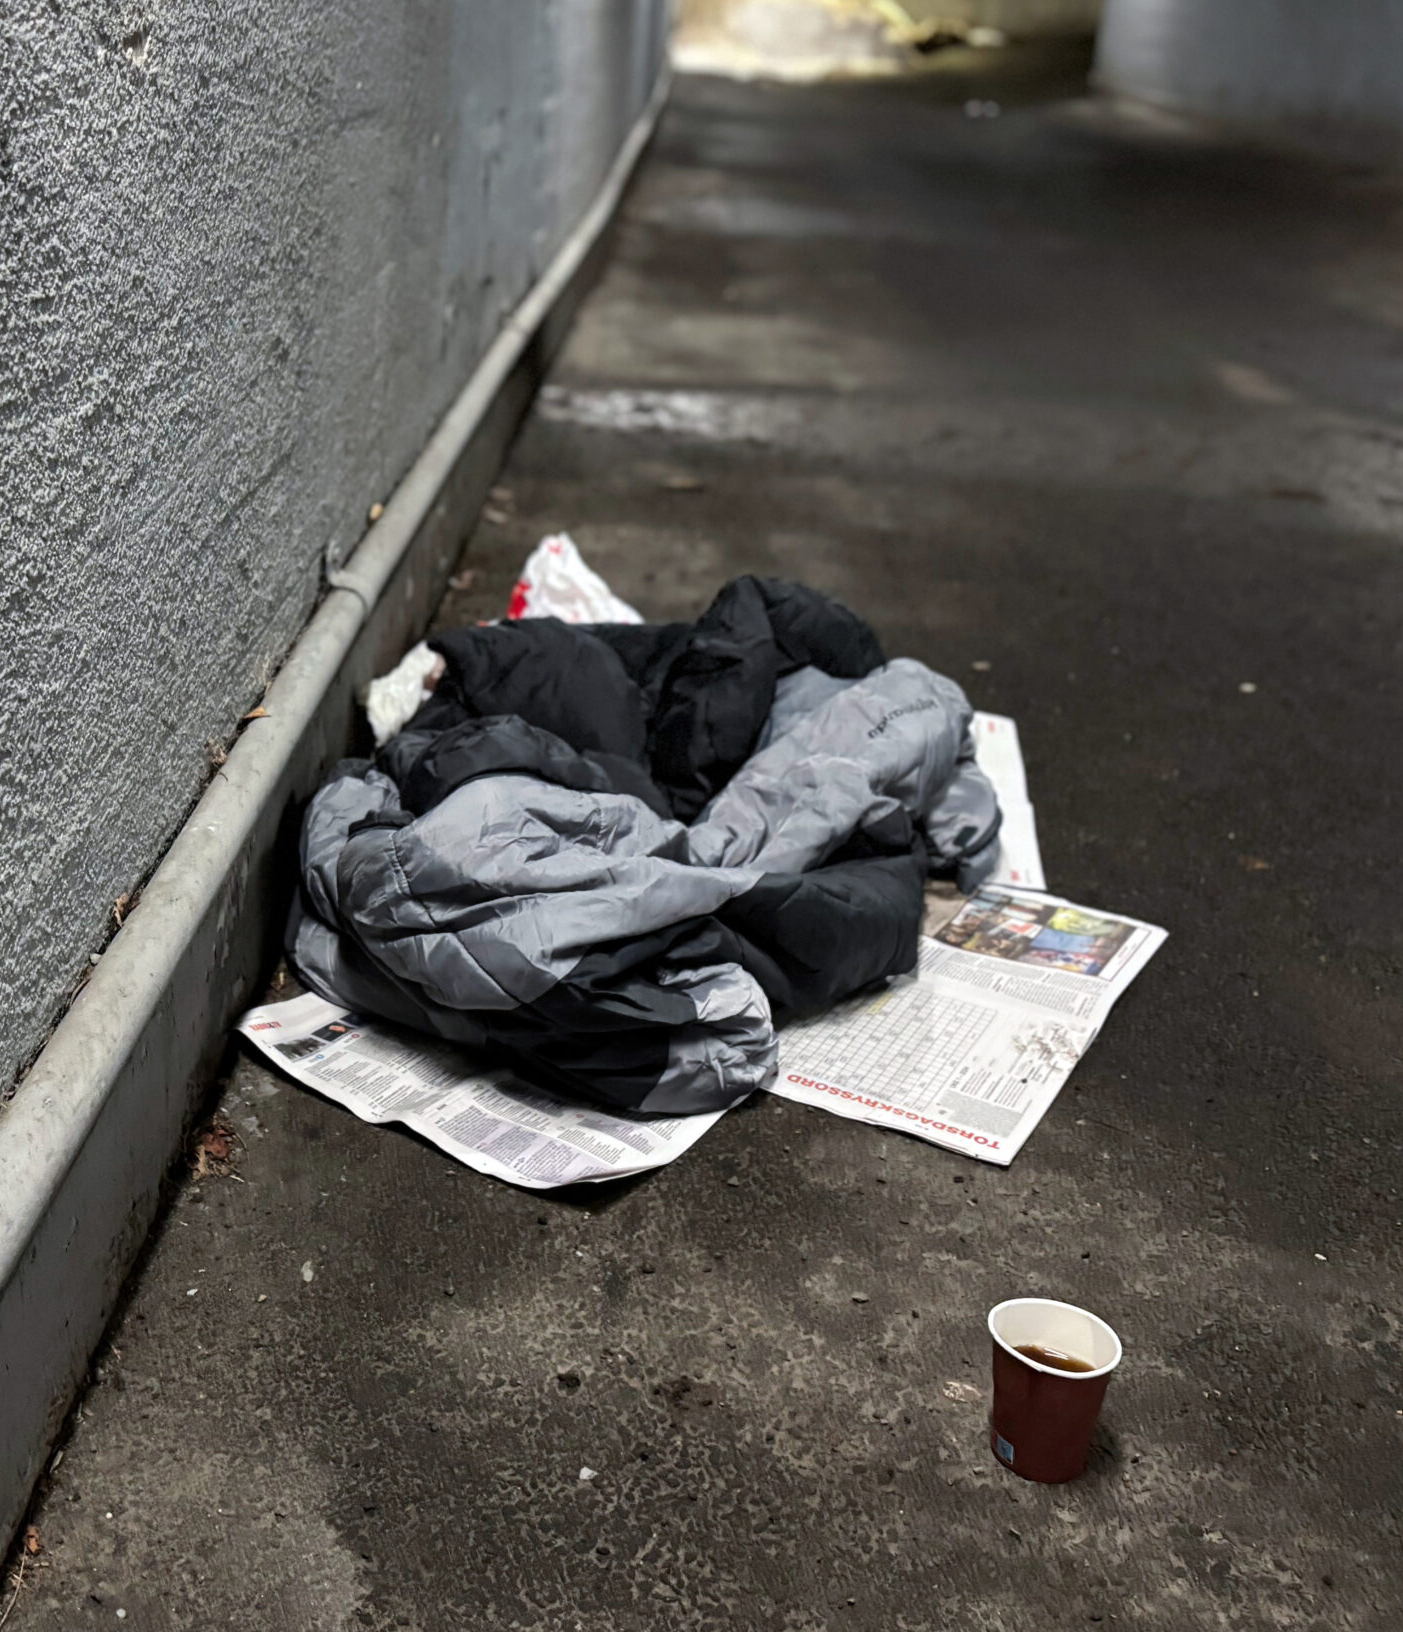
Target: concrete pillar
(1331, 69)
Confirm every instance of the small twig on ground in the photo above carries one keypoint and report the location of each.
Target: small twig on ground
(19, 1582)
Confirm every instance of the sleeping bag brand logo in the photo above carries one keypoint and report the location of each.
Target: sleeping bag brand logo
(911, 708)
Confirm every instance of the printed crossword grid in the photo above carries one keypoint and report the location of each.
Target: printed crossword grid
(909, 1046)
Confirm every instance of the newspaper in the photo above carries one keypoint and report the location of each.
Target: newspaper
(487, 1119)
(998, 755)
(970, 1050)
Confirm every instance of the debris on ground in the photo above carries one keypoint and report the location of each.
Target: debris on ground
(212, 1150)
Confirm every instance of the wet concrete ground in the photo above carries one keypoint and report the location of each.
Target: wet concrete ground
(1113, 411)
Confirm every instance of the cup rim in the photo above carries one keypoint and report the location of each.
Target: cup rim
(1056, 1371)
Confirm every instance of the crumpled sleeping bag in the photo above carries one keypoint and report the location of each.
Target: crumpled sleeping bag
(615, 856)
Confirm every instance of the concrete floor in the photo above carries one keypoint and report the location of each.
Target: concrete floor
(1115, 412)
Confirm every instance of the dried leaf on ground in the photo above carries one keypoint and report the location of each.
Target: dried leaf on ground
(123, 905)
(32, 1545)
(462, 580)
(213, 1149)
(259, 713)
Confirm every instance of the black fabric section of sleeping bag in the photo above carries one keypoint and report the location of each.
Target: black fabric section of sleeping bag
(812, 629)
(715, 699)
(647, 652)
(709, 708)
(553, 675)
(607, 1028)
(811, 939)
(686, 701)
(809, 629)
(428, 768)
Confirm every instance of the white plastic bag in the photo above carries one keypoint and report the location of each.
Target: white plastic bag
(556, 583)
(393, 699)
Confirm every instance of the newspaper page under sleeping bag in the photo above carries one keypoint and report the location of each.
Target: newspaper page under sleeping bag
(999, 755)
(971, 1049)
(488, 1119)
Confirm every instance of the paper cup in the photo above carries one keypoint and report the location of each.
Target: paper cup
(1043, 1417)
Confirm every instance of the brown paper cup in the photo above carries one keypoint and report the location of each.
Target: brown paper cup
(1043, 1417)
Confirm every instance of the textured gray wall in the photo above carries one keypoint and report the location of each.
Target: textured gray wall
(1329, 67)
(248, 255)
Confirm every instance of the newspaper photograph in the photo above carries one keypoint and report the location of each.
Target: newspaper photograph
(998, 754)
(487, 1119)
(971, 1049)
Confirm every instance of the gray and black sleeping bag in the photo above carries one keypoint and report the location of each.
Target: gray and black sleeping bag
(616, 856)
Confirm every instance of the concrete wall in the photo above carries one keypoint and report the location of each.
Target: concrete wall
(1332, 68)
(248, 255)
